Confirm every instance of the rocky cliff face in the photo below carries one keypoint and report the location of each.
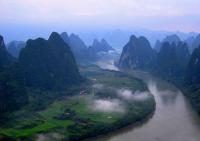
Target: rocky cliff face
(12, 90)
(5, 58)
(167, 61)
(137, 54)
(193, 68)
(195, 43)
(77, 46)
(183, 54)
(172, 59)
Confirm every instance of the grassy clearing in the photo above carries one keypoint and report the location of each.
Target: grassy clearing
(72, 116)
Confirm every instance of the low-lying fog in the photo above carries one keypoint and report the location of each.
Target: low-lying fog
(108, 65)
(116, 104)
(108, 105)
(129, 95)
(98, 86)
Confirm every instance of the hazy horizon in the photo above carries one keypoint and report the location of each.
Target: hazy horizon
(23, 19)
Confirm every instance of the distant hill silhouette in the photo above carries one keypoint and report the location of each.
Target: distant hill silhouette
(15, 47)
(99, 47)
(77, 46)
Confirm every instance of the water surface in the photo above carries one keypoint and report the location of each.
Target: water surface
(173, 120)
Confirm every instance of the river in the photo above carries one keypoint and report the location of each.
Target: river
(173, 120)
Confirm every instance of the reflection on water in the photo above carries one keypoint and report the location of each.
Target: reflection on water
(173, 120)
(164, 96)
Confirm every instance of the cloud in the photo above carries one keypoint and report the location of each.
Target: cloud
(102, 12)
(140, 96)
(126, 94)
(116, 105)
(129, 95)
(63, 9)
(108, 105)
(98, 86)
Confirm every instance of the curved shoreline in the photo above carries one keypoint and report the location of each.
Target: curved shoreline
(173, 113)
(109, 131)
(114, 129)
(123, 129)
(96, 129)
(129, 125)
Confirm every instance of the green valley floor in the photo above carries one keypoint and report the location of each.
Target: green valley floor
(105, 101)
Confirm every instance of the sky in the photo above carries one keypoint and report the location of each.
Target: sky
(45, 15)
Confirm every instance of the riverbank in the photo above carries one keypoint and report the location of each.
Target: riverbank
(123, 129)
(173, 120)
(192, 92)
(81, 115)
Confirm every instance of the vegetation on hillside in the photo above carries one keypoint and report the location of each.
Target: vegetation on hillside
(72, 116)
(192, 79)
(173, 63)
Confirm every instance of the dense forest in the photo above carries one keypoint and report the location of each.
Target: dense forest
(42, 64)
(42, 89)
(99, 70)
(55, 60)
(49, 83)
(169, 59)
